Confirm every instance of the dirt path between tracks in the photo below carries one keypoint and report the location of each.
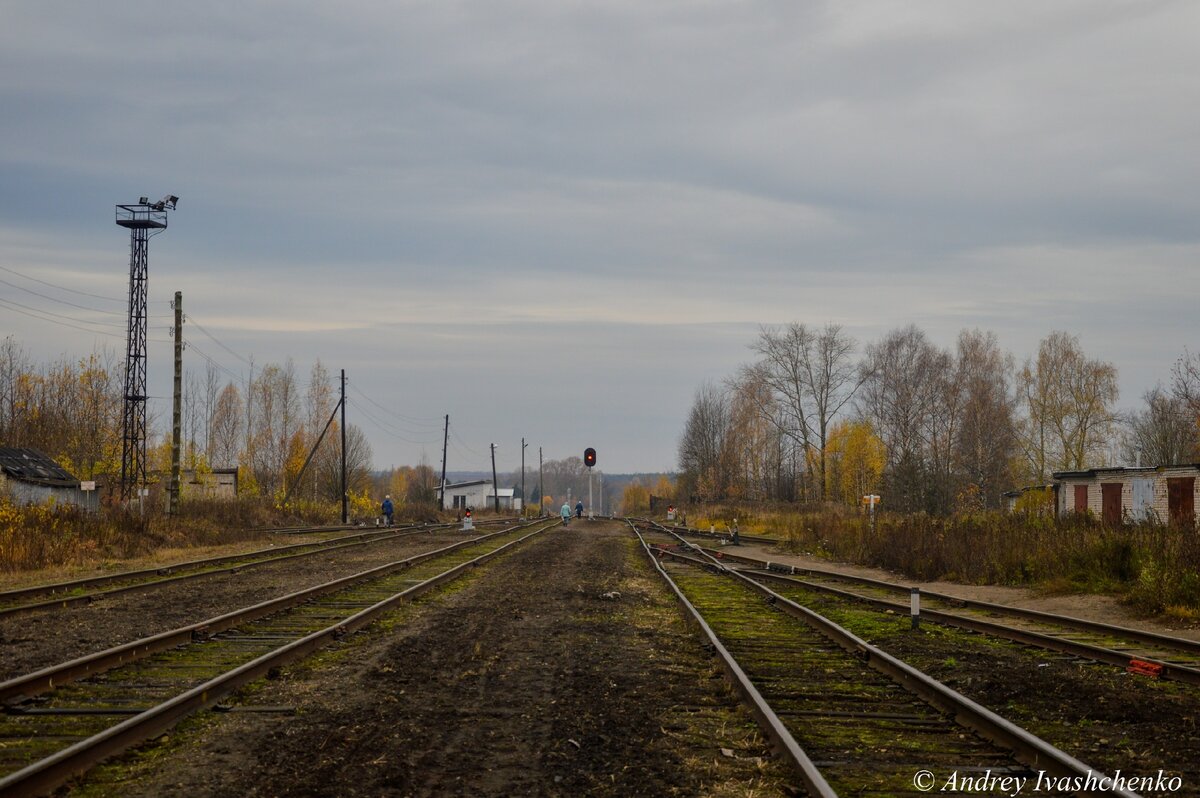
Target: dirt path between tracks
(563, 670)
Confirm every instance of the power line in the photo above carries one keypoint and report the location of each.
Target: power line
(381, 425)
(61, 301)
(467, 458)
(75, 291)
(71, 321)
(209, 359)
(192, 321)
(421, 424)
(454, 433)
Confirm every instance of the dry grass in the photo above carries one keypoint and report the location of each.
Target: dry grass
(65, 540)
(1154, 567)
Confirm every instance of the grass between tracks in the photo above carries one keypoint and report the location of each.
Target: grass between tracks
(1104, 715)
(726, 750)
(110, 777)
(1153, 567)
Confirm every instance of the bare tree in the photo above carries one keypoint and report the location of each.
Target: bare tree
(276, 403)
(1165, 433)
(813, 376)
(226, 424)
(703, 449)
(14, 366)
(986, 444)
(757, 449)
(211, 389)
(358, 470)
(1185, 383)
(903, 384)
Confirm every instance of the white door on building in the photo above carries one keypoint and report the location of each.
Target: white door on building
(1143, 498)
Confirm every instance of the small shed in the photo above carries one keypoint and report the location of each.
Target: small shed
(1117, 495)
(477, 495)
(31, 477)
(214, 483)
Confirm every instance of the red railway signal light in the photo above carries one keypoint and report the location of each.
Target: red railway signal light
(589, 457)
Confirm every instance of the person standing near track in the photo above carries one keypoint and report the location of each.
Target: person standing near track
(388, 508)
(565, 512)
(579, 509)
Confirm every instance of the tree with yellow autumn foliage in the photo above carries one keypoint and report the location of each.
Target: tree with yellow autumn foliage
(635, 499)
(855, 457)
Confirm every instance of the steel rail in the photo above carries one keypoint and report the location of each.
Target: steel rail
(1090, 651)
(1029, 748)
(196, 569)
(95, 581)
(1170, 670)
(40, 681)
(300, 530)
(170, 568)
(52, 771)
(767, 720)
(1082, 624)
(684, 530)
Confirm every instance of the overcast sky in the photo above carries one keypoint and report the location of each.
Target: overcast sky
(556, 219)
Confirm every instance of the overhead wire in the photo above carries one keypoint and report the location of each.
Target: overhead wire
(70, 321)
(61, 301)
(382, 425)
(74, 290)
(191, 345)
(422, 425)
(469, 459)
(454, 434)
(192, 321)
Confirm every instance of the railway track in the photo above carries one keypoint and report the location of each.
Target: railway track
(61, 595)
(60, 720)
(851, 718)
(1143, 652)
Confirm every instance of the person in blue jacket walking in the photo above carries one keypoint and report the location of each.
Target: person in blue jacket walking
(565, 512)
(388, 509)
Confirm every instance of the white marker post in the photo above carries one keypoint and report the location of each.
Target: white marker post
(915, 607)
(871, 500)
(89, 486)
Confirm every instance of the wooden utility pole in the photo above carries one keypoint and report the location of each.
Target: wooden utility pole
(177, 408)
(523, 445)
(495, 493)
(345, 494)
(445, 444)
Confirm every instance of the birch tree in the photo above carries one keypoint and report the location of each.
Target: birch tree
(1068, 401)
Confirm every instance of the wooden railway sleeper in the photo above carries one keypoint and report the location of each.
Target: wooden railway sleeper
(968, 713)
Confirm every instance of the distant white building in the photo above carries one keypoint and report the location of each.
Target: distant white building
(477, 495)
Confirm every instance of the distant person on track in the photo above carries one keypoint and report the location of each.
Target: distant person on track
(565, 512)
(579, 509)
(388, 508)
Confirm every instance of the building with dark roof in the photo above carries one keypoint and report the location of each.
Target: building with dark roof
(31, 477)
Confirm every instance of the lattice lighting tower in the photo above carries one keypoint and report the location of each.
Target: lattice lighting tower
(145, 220)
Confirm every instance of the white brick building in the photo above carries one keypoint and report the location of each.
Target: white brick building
(1168, 494)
